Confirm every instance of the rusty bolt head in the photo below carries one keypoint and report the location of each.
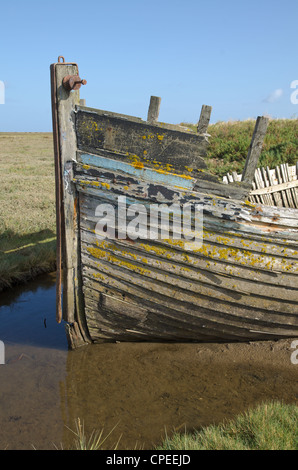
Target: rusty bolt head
(73, 82)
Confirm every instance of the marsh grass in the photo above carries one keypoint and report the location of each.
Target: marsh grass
(269, 426)
(229, 143)
(27, 206)
(95, 441)
(272, 426)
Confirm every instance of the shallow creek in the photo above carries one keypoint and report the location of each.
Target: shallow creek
(141, 390)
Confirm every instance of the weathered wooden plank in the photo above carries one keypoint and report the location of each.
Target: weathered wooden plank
(204, 119)
(281, 234)
(73, 312)
(258, 244)
(269, 200)
(140, 142)
(166, 324)
(255, 149)
(217, 206)
(294, 191)
(276, 197)
(206, 264)
(283, 193)
(233, 190)
(288, 192)
(159, 320)
(276, 184)
(136, 320)
(266, 234)
(197, 292)
(238, 319)
(291, 188)
(153, 111)
(147, 174)
(275, 188)
(186, 269)
(66, 105)
(204, 183)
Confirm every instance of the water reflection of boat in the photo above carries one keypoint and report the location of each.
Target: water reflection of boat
(147, 390)
(239, 284)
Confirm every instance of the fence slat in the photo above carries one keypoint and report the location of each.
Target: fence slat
(273, 187)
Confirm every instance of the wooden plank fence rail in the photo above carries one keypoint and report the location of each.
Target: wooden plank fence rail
(272, 187)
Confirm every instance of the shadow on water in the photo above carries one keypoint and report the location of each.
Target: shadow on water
(142, 389)
(27, 314)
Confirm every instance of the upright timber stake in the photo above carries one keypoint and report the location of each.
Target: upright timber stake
(255, 149)
(64, 102)
(204, 119)
(153, 111)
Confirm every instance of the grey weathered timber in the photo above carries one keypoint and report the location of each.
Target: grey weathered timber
(165, 148)
(237, 282)
(73, 304)
(153, 111)
(255, 149)
(270, 186)
(241, 284)
(204, 119)
(140, 142)
(249, 276)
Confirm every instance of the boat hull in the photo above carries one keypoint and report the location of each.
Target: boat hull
(239, 285)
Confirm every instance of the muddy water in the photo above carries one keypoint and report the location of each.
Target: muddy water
(143, 390)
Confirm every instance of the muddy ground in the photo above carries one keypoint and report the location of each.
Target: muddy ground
(145, 390)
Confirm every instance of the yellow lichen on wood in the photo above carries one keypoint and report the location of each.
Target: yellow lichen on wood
(106, 185)
(138, 165)
(101, 254)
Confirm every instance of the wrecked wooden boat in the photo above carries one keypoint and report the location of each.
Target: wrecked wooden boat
(238, 284)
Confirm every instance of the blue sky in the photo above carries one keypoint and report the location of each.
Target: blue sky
(239, 57)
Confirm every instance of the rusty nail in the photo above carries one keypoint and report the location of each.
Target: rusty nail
(73, 82)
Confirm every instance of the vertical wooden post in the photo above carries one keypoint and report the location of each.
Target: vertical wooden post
(153, 111)
(204, 119)
(73, 306)
(82, 102)
(255, 149)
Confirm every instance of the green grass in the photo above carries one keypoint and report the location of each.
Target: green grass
(27, 201)
(229, 143)
(271, 426)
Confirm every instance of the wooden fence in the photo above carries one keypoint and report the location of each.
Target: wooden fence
(272, 187)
